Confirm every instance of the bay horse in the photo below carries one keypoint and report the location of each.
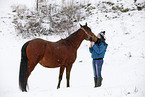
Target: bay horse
(61, 54)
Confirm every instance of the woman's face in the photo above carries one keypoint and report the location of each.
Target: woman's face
(98, 36)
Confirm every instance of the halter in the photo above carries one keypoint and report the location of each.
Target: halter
(87, 34)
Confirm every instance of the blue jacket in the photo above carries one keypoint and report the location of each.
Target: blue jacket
(98, 51)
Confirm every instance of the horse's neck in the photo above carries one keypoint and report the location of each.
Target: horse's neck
(76, 39)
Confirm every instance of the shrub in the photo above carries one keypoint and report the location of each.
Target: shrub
(49, 19)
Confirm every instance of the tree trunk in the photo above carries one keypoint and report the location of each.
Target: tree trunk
(37, 5)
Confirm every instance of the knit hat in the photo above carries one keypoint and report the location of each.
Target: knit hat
(102, 34)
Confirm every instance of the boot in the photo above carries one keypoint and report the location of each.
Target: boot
(99, 82)
(95, 81)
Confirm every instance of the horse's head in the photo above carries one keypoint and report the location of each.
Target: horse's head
(89, 35)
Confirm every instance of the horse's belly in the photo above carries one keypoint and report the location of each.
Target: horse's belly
(49, 63)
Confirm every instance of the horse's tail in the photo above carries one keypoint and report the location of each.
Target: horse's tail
(23, 74)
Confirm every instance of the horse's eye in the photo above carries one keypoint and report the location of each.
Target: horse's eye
(88, 28)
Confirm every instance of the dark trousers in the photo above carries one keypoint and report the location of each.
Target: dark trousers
(97, 67)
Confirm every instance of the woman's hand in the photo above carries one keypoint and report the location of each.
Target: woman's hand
(91, 44)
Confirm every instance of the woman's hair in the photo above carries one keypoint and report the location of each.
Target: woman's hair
(102, 34)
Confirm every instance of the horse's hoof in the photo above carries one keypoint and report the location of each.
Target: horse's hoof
(58, 87)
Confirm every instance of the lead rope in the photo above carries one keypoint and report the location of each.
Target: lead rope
(87, 34)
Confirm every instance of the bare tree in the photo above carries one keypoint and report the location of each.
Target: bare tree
(37, 5)
(135, 1)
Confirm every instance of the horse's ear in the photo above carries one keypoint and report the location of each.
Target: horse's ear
(81, 25)
(86, 23)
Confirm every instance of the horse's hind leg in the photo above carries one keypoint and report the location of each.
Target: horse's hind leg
(31, 66)
(60, 76)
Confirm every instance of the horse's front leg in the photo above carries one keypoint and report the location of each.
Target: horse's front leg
(60, 76)
(68, 78)
(68, 69)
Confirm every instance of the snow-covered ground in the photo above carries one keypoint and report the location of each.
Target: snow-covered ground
(123, 69)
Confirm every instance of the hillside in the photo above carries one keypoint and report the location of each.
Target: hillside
(123, 68)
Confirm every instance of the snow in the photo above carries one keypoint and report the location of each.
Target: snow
(123, 69)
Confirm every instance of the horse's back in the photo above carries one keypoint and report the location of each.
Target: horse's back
(36, 49)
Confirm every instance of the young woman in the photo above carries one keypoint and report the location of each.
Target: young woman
(97, 51)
